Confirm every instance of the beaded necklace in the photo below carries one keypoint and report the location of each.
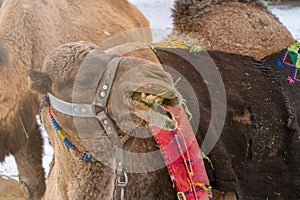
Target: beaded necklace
(66, 140)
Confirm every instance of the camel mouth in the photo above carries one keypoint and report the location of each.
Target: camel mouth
(150, 108)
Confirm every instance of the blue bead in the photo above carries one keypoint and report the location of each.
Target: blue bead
(66, 140)
(68, 143)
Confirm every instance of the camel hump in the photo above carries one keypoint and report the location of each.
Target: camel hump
(3, 55)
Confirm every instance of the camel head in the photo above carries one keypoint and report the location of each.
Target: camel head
(131, 91)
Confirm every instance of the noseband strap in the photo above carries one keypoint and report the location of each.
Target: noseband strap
(72, 109)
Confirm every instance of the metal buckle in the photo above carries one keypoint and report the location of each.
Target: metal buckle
(121, 183)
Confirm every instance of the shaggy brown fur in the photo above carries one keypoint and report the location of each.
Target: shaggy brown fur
(29, 30)
(257, 153)
(233, 26)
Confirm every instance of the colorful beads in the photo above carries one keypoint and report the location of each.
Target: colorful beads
(68, 143)
(66, 140)
(86, 157)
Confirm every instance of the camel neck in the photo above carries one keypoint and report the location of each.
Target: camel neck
(75, 177)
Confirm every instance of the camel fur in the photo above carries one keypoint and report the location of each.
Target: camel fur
(29, 30)
(235, 26)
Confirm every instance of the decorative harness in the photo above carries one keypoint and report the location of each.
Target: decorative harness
(190, 180)
(294, 52)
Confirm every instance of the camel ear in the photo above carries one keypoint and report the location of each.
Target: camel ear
(39, 82)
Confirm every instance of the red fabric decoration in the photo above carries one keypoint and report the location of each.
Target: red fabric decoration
(183, 157)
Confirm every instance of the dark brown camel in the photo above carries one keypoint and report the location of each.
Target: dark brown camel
(257, 155)
(259, 139)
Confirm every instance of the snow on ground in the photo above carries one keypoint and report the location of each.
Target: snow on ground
(9, 168)
(158, 12)
(48, 151)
